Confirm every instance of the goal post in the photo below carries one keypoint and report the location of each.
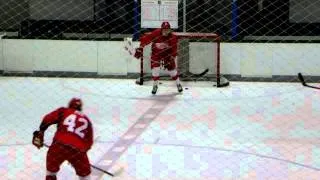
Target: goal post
(199, 59)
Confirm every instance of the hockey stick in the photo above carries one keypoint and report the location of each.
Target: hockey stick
(99, 169)
(189, 74)
(304, 83)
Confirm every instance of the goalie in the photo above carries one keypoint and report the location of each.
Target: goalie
(164, 53)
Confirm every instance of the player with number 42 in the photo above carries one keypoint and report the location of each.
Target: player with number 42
(72, 140)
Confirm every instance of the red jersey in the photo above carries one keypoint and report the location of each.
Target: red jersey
(162, 46)
(73, 128)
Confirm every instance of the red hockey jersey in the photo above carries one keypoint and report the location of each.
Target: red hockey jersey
(162, 46)
(73, 128)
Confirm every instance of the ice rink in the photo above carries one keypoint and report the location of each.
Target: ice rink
(246, 131)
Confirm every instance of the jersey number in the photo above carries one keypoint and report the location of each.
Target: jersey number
(70, 121)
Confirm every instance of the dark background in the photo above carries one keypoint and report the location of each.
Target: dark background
(50, 19)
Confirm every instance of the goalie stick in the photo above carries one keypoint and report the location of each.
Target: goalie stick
(189, 74)
(99, 169)
(301, 78)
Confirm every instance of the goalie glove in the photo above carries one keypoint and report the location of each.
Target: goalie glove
(139, 52)
(37, 139)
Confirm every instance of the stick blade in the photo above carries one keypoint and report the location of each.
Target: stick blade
(118, 172)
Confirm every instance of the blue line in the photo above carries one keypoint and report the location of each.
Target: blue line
(136, 21)
(234, 23)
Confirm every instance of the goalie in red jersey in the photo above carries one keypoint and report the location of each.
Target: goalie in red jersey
(72, 140)
(164, 52)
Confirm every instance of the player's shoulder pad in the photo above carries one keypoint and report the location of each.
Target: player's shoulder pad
(157, 31)
(61, 108)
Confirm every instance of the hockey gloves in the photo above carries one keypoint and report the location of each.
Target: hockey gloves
(37, 139)
(139, 53)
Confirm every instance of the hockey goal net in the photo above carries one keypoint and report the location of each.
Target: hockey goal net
(198, 60)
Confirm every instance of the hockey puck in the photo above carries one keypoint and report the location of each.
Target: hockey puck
(186, 88)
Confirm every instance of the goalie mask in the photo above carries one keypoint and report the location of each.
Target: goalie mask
(166, 28)
(75, 103)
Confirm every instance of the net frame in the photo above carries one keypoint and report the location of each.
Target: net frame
(218, 79)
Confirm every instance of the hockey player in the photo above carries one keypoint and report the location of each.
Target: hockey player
(72, 140)
(164, 50)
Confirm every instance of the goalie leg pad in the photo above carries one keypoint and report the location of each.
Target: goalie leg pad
(174, 74)
(156, 73)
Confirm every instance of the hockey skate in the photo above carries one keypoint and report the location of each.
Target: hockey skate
(154, 89)
(180, 89)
